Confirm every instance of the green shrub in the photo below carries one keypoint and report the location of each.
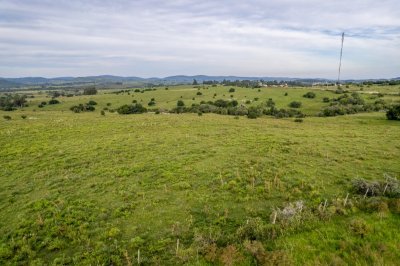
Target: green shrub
(254, 112)
(298, 120)
(270, 103)
(253, 229)
(199, 93)
(295, 104)
(231, 90)
(325, 100)
(23, 116)
(131, 109)
(54, 101)
(7, 117)
(393, 113)
(309, 94)
(91, 102)
(180, 103)
(359, 227)
(82, 108)
(102, 112)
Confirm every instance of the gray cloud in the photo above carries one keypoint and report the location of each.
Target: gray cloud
(160, 38)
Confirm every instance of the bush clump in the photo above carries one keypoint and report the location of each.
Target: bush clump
(254, 112)
(390, 187)
(9, 102)
(82, 108)
(132, 109)
(295, 104)
(393, 113)
(54, 101)
(309, 95)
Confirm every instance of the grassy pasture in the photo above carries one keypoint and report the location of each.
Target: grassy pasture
(89, 189)
(167, 98)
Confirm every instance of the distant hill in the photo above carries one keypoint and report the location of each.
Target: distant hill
(7, 83)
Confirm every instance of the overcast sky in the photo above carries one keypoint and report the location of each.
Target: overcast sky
(290, 38)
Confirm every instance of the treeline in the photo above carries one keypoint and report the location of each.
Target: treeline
(220, 106)
(256, 83)
(392, 82)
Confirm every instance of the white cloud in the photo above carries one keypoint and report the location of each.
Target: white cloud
(160, 38)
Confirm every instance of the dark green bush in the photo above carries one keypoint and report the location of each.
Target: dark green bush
(132, 109)
(309, 94)
(254, 112)
(54, 101)
(91, 102)
(270, 103)
(180, 103)
(82, 108)
(393, 113)
(7, 117)
(231, 90)
(295, 104)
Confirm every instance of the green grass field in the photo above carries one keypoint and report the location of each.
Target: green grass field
(169, 189)
(167, 98)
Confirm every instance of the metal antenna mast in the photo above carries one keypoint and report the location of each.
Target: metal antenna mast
(340, 62)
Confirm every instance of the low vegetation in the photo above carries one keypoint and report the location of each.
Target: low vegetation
(192, 181)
